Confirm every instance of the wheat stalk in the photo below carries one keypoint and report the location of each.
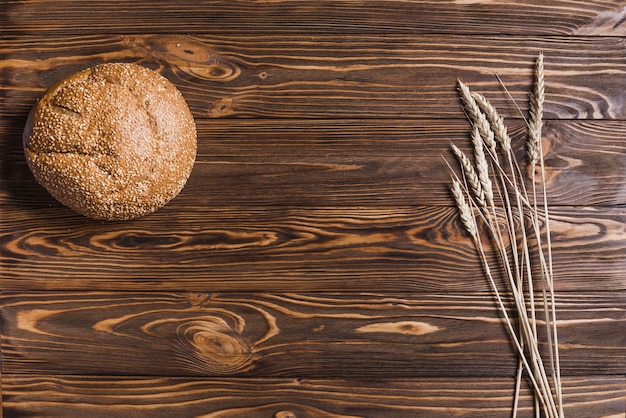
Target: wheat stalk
(491, 195)
(534, 141)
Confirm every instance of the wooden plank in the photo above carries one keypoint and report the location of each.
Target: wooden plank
(403, 76)
(111, 397)
(353, 163)
(288, 249)
(288, 17)
(319, 335)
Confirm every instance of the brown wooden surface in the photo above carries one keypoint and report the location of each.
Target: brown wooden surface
(66, 396)
(313, 266)
(290, 249)
(281, 335)
(533, 17)
(325, 76)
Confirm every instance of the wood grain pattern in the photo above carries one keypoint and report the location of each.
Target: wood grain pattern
(284, 249)
(343, 163)
(325, 77)
(112, 397)
(317, 335)
(314, 265)
(288, 17)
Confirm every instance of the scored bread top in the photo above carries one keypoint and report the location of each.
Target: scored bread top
(116, 141)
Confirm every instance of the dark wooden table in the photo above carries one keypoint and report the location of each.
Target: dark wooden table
(314, 265)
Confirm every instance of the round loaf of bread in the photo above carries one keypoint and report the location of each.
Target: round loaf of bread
(113, 142)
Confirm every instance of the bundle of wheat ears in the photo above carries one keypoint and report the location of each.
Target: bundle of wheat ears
(503, 217)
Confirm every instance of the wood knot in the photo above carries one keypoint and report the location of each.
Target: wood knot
(218, 71)
(548, 175)
(189, 55)
(222, 107)
(197, 298)
(215, 346)
(175, 49)
(284, 414)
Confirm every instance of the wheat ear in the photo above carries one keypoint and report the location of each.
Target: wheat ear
(472, 177)
(477, 117)
(482, 168)
(536, 113)
(495, 120)
(465, 210)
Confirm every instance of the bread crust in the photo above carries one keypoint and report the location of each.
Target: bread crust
(112, 142)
